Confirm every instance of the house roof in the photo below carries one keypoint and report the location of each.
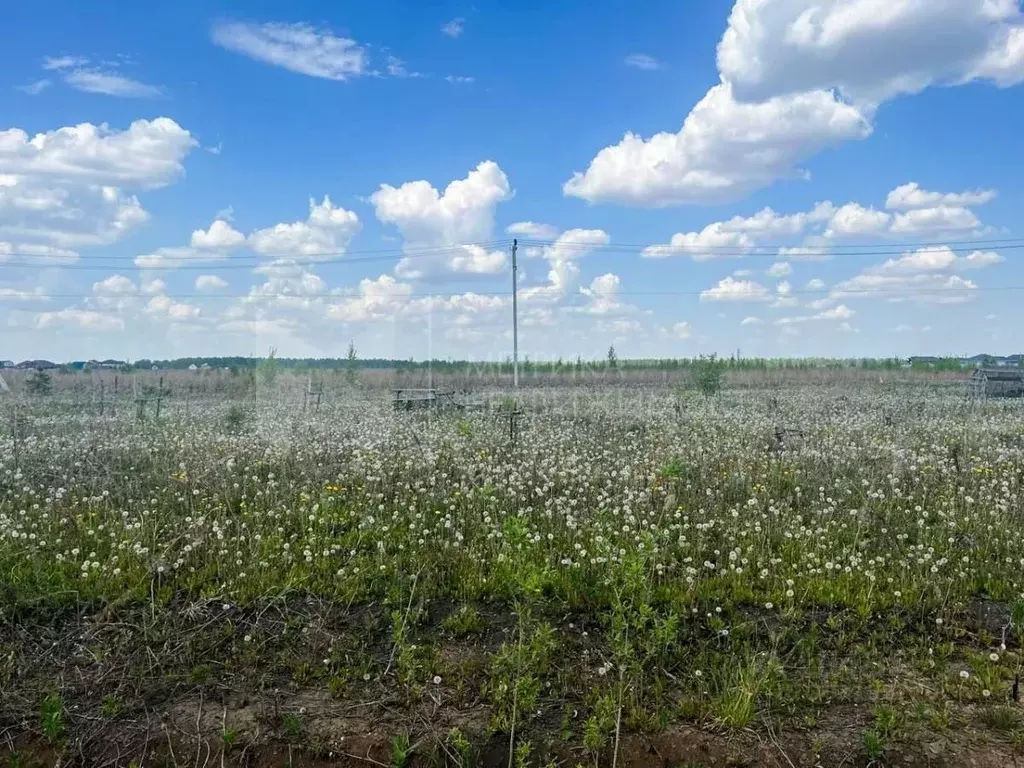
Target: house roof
(999, 374)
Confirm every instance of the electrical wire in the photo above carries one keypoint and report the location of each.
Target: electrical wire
(830, 246)
(839, 293)
(212, 261)
(357, 257)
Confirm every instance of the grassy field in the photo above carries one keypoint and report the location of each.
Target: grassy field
(829, 572)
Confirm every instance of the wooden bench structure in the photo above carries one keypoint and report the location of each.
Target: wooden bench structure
(426, 399)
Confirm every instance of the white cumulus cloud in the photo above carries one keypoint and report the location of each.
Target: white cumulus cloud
(682, 330)
(149, 153)
(115, 285)
(909, 196)
(854, 220)
(210, 283)
(724, 150)
(563, 270)
(449, 230)
(85, 319)
(166, 307)
(730, 289)
(531, 230)
(219, 236)
(326, 232)
(797, 77)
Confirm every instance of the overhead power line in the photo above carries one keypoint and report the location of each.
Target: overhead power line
(810, 252)
(768, 295)
(994, 242)
(213, 261)
(251, 262)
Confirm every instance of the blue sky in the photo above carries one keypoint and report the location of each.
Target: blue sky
(802, 177)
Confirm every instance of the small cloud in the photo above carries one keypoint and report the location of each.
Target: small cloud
(110, 84)
(460, 79)
(297, 47)
(51, 63)
(531, 230)
(220, 235)
(225, 214)
(215, 150)
(729, 289)
(779, 269)
(814, 285)
(210, 283)
(396, 68)
(752, 321)
(682, 330)
(34, 89)
(642, 61)
(453, 28)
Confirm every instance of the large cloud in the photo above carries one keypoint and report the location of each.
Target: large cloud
(438, 225)
(724, 150)
(326, 232)
(739, 234)
(927, 275)
(922, 214)
(798, 76)
(64, 189)
(562, 257)
(871, 50)
(149, 153)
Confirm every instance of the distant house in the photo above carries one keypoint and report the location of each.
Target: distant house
(992, 361)
(6, 363)
(35, 365)
(988, 382)
(193, 367)
(924, 360)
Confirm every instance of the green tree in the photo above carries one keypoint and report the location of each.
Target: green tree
(351, 364)
(708, 372)
(268, 368)
(613, 359)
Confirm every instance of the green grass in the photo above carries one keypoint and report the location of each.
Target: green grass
(625, 565)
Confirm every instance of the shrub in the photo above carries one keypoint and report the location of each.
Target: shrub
(39, 383)
(708, 373)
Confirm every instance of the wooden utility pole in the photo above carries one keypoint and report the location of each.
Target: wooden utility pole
(515, 316)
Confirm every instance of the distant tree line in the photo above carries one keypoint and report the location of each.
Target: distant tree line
(351, 363)
(611, 361)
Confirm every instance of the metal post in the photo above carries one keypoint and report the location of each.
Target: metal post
(515, 317)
